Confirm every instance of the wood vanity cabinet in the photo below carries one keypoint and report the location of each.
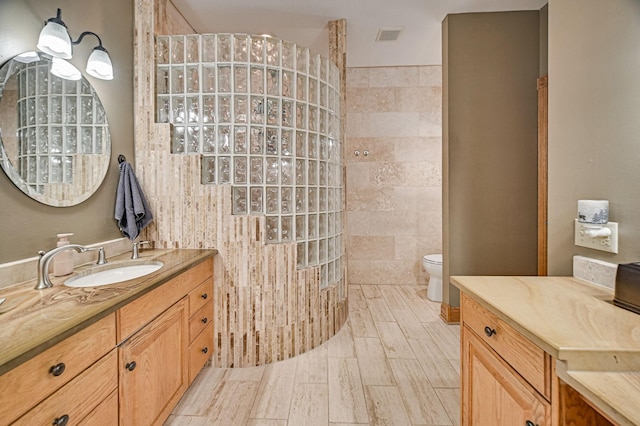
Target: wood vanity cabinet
(155, 346)
(506, 379)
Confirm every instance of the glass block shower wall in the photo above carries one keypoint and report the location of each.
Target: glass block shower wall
(264, 115)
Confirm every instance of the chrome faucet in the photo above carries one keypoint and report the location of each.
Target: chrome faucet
(135, 251)
(45, 259)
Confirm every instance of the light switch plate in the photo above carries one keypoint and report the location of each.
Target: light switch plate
(609, 243)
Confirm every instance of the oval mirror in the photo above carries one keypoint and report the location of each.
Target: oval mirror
(54, 135)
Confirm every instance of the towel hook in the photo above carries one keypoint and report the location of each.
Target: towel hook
(121, 158)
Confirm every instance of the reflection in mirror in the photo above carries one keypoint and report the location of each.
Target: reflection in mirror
(54, 135)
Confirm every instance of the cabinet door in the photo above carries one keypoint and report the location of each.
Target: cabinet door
(493, 394)
(154, 368)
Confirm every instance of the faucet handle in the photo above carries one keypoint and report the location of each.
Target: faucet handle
(102, 258)
(135, 252)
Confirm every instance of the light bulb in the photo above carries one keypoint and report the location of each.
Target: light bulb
(54, 40)
(99, 64)
(64, 69)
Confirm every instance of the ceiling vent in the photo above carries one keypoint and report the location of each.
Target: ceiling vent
(388, 34)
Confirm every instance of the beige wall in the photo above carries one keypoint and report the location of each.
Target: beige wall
(393, 196)
(491, 65)
(594, 124)
(27, 226)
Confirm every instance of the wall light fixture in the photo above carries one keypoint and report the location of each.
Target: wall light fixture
(55, 40)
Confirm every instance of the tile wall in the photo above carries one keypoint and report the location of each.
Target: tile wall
(393, 194)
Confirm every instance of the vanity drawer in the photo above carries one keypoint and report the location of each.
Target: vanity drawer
(200, 351)
(530, 361)
(200, 296)
(200, 320)
(31, 382)
(78, 397)
(105, 414)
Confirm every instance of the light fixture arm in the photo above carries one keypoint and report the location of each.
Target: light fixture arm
(86, 33)
(57, 19)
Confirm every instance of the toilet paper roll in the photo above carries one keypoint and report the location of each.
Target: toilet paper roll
(593, 211)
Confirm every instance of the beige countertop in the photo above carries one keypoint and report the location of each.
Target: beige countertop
(597, 344)
(32, 321)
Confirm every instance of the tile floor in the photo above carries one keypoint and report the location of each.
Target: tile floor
(393, 363)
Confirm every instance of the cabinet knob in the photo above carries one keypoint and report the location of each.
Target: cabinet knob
(490, 332)
(530, 423)
(204, 320)
(204, 295)
(57, 369)
(130, 366)
(205, 350)
(61, 421)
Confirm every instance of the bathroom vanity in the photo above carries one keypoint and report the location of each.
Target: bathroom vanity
(542, 351)
(119, 354)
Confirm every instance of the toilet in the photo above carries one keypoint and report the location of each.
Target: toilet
(433, 265)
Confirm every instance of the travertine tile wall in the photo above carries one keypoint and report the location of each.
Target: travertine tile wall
(393, 195)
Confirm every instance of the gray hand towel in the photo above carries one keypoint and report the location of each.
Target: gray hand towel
(132, 210)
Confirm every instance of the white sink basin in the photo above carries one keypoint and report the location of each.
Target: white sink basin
(113, 274)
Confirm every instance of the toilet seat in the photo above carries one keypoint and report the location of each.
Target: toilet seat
(435, 259)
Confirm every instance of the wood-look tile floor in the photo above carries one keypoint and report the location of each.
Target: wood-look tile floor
(393, 363)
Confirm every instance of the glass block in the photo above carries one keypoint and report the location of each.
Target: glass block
(287, 84)
(240, 78)
(43, 169)
(323, 276)
(312, 200)
(331, 224)
(240, 109)
(272, 170)
(192, 48)
(224, 79)
(193, 79)
(55, 85)
(162, 49)
(177, 79)
(301, 87)
(324, 121)
(224, 48)
(256, 200)
(256, 140)
(301, 200)
(286, 143)
(208, 48)
(55, 110)
(312, 258)
(256, 172)
(209, 109)
(286, 171)
(164, 107)
(272, 141)
(71, 140)
(272, 228)
(240, 48)
(313, 91)
(301, 115)
(301, 255)
(224, 140)
(286, 200)
(177, 140)
(209, 139)
(313, 64)
(331, 202)
(224, 109)
(322, 199)
(208, 78)
(31, 111)
(272, 200)
(257, 110)
(257, 50)
(287, 113)
(239, 200)
(43, 140)
(273, 52)
(193, 139)
(68, 169)
(273, 111)
(324, 63)
(177, 49)
(240, 140)
(162, 80)
(86, 140)
(85, 88)
(224, 170)
(322, 253)
(257, 80)
(313, 145)
(301, 172)
(55, 140)
(322, 225)
(208, 170)
(177, 110)
(193, 109)
(301, 227)
(302, 58)
(301, 144)
(97, 140)
(86, 110)
(313, 118)
(288, 54)
(273, 82)
(239, 170)
(324, 148)
(286, 228)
